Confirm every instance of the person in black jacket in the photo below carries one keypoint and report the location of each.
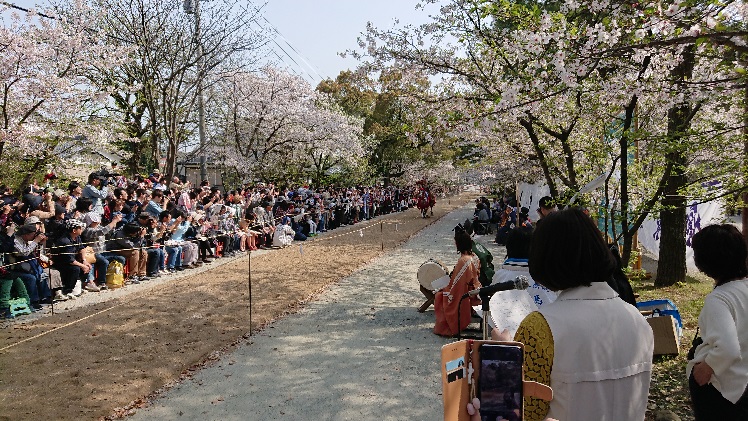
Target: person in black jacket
(129, 242)
(67, 256)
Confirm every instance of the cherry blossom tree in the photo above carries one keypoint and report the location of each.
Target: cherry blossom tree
(273, 124)
(156, 92)
(563, 71)
(47, 102)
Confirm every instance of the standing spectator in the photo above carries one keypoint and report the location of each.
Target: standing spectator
(97, 191)
(592, 348)
(718, 369)
(75, 191)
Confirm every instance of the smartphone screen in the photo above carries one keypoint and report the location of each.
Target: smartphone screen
(500, 382)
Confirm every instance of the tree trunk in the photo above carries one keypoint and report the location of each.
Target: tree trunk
(672, 264)
(527, 124)
(628, 231)
(171, 160)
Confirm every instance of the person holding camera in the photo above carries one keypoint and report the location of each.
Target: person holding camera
(97, 191)
(96, 236)
(67, 257)
(26, 244)
(129, 242)
(157, 204)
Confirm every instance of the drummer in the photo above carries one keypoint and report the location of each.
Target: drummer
(453, 313)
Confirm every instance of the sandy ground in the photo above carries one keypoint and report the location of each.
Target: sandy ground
(361, 351)
(92, 360)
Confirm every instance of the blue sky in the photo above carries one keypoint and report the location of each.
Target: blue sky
(321, 29)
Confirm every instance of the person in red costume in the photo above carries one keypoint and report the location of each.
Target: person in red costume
(448, 305)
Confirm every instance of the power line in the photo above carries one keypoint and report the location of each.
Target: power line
(303, 58)
(306, 61)
(14, 6)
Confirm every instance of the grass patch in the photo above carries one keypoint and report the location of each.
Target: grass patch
(669, 387)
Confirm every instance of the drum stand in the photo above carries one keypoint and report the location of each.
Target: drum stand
(430, 297)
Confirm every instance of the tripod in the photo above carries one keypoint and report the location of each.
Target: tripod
(485, 308)
(485, 297)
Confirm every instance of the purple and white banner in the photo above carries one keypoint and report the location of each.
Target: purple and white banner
(698, 216)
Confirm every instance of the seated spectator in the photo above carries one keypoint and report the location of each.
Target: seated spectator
(167, 226)
(546, 206)
(26, 245)
(524, 218)
(183, 222)
(10, 288)
(284, 234)
(130, 243)
(83, 206)
(153, 242)
(96, 236)
(308, 226)
(481, 220)
(67, 257)
(199, 231)
(296, 226)
(265, 220)
(248, 236)
(223, 228)
(156, 205)
(507, 222)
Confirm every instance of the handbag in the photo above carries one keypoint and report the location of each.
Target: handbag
(694, 344)
(89, 255)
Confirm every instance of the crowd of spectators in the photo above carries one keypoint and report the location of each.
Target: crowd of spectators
(154, 226)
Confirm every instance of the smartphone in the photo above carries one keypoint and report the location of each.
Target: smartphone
(500, 382)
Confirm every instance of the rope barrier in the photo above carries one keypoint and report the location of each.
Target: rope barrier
(89, 243)
(249, 281)
(61, 327)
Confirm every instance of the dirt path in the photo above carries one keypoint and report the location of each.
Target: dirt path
(107, 355)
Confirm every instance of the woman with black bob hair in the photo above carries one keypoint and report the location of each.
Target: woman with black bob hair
(453, 313)
(592, 348)
(718, 369)
(569, 253)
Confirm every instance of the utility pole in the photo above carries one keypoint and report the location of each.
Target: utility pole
(193, 7)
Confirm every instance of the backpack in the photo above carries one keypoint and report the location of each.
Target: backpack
(115, 275)
(486, 264)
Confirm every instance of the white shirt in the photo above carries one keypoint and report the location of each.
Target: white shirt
(602, 359)
(723, 325)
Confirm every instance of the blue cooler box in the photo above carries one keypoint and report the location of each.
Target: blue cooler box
(665, 308)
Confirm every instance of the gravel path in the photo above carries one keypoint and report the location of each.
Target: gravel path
(361, 351)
